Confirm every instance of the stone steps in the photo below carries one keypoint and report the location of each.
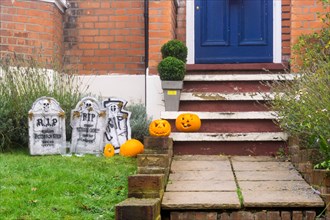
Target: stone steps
(239, 187)
(231, 101)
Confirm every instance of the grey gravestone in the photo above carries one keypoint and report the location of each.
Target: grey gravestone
(118, 130)
(88, 121)
(46, 127)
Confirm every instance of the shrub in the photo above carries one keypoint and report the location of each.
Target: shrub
(304, 106)
(139, 121)
(22, 82)
(171, 69)
(175, 48)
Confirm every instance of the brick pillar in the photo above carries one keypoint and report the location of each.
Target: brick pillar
(162, 24)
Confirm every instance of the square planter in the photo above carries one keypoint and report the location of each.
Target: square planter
(172, 93)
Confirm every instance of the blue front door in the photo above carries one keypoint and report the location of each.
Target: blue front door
(233, 31)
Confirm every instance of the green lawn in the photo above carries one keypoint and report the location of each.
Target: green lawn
(56, 187)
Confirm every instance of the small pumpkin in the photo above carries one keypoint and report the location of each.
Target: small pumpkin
(131, 148)
(160, 128)
(188, 122)
(109, 150)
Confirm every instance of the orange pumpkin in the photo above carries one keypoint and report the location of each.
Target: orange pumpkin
(109, 150)
(131, 148)
(160, 128)
(188, 122)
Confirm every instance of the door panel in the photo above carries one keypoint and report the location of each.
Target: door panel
(233, 31)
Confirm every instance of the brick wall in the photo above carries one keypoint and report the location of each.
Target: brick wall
(162, 25)
(105, 36)
(31, 28)
(286, 29)
(305, 18)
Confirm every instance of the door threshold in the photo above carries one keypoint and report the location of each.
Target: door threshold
(237, 66)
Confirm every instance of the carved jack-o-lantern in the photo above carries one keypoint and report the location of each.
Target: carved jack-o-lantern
(109, 150)
(188, 122)
(159, 128)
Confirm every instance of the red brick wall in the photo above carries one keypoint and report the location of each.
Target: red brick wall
(162, 27)
(286, 30)
(31, 28)
(105, 36)
(305, 18)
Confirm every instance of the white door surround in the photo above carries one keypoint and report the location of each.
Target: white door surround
(277, 31)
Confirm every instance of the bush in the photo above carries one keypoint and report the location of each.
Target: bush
(22, 82)
(171, 69)
(175, 48)
(304, 106)
(139, 121)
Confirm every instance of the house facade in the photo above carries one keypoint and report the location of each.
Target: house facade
(115, 45)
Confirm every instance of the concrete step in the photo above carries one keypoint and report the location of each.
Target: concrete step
(217, 96)
(223, 115)
(223, 106)
(230, 122)
(239, 77)
(255, 136)
(256, 148)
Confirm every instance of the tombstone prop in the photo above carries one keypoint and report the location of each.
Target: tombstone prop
(88, 122)
(118, 130)
(46, 121)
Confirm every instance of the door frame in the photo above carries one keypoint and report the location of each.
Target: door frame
(277, 31)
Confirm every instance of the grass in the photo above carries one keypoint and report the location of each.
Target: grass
(56, 187)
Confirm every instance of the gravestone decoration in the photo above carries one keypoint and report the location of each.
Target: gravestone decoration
(88, 122)
(46, 121)
(118, 130)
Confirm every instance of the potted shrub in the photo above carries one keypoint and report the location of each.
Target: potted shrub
(172, 70)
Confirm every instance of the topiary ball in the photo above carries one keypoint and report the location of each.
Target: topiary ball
(175, 48)
(171, 69)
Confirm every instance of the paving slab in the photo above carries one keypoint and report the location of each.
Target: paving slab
(273, 185)
(200, 157)
(284, 198)
(202, 175)
(253, 158)
(262, 166)
(200, 200)
(268, 175)
(201, 186)
(200, 165)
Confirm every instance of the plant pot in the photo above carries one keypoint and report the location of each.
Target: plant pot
(172, 93)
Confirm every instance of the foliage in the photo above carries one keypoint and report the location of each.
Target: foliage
(22, 82)
(55, 187)
(175, 48)
(139, 121)
(323, 165)
(171, 69)
(303, 105)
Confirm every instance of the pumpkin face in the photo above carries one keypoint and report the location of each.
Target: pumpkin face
(109, 150)
(159, 128)
(188, 122)
(131, 148)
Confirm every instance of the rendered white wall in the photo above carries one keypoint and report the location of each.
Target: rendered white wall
(129, 87)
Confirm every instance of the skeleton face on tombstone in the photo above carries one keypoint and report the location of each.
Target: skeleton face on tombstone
(88, 104)
(113, 108)
(46, 105)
